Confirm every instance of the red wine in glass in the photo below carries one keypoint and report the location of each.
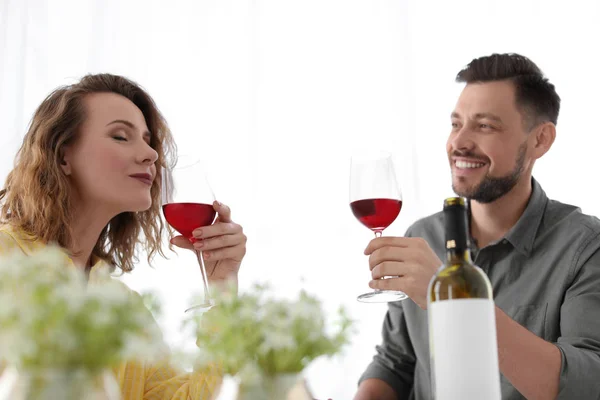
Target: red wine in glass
(376, 214)
(376, 201)
(186, 217)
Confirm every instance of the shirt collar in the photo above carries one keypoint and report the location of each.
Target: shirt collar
(29, 243)
(97, 271)
(522, 234)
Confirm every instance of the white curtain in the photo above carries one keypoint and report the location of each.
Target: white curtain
(275, 95)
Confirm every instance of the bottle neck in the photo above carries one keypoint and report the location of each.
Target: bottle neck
(456, 226)
(458, 256)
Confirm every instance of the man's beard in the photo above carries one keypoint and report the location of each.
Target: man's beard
(492, 188)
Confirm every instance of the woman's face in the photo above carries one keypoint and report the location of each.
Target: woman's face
(111, 164)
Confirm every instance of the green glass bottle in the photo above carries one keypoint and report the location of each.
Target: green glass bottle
(462, 324)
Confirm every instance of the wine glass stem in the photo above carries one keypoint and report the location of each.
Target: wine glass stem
(377, 235)
(204, 277)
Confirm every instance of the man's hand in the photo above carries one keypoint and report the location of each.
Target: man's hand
(410, 263)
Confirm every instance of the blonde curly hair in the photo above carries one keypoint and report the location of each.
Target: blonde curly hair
(37, 195)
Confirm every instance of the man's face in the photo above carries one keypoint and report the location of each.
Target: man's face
(488, 145)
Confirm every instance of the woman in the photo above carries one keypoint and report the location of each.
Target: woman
(88, 177)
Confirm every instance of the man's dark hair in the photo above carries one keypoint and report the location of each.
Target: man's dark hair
(535, 96)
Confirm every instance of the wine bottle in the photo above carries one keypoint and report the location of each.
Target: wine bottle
(462, 324)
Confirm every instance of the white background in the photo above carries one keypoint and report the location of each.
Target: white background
(275, 95)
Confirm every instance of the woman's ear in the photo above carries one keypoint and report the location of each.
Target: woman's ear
(65, 164)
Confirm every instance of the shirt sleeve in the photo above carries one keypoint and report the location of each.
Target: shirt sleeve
(394, 361)
(163, 382)
(579, 343)
(8, 244)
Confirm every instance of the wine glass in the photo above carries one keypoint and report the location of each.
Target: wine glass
(187, 204)
(376, 201)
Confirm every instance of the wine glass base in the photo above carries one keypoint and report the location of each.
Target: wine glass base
(201, 308)
(382, 296)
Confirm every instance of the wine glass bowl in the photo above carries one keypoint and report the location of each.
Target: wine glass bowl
(186, 217)
(187, 204)
(376, 214)
(376, 201)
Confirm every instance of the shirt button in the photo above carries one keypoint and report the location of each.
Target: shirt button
(504, 241)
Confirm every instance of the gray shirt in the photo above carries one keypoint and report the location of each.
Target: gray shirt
(545, 274)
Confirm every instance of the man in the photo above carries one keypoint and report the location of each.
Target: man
(542, 257)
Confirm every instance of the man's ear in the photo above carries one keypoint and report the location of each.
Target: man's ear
(544, 138)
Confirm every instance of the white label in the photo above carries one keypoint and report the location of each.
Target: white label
(464, 352)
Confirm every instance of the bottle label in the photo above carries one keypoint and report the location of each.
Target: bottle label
(464, 352)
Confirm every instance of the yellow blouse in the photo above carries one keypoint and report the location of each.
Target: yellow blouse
(137, 381)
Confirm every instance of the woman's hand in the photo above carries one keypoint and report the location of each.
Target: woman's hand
(223, 245)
